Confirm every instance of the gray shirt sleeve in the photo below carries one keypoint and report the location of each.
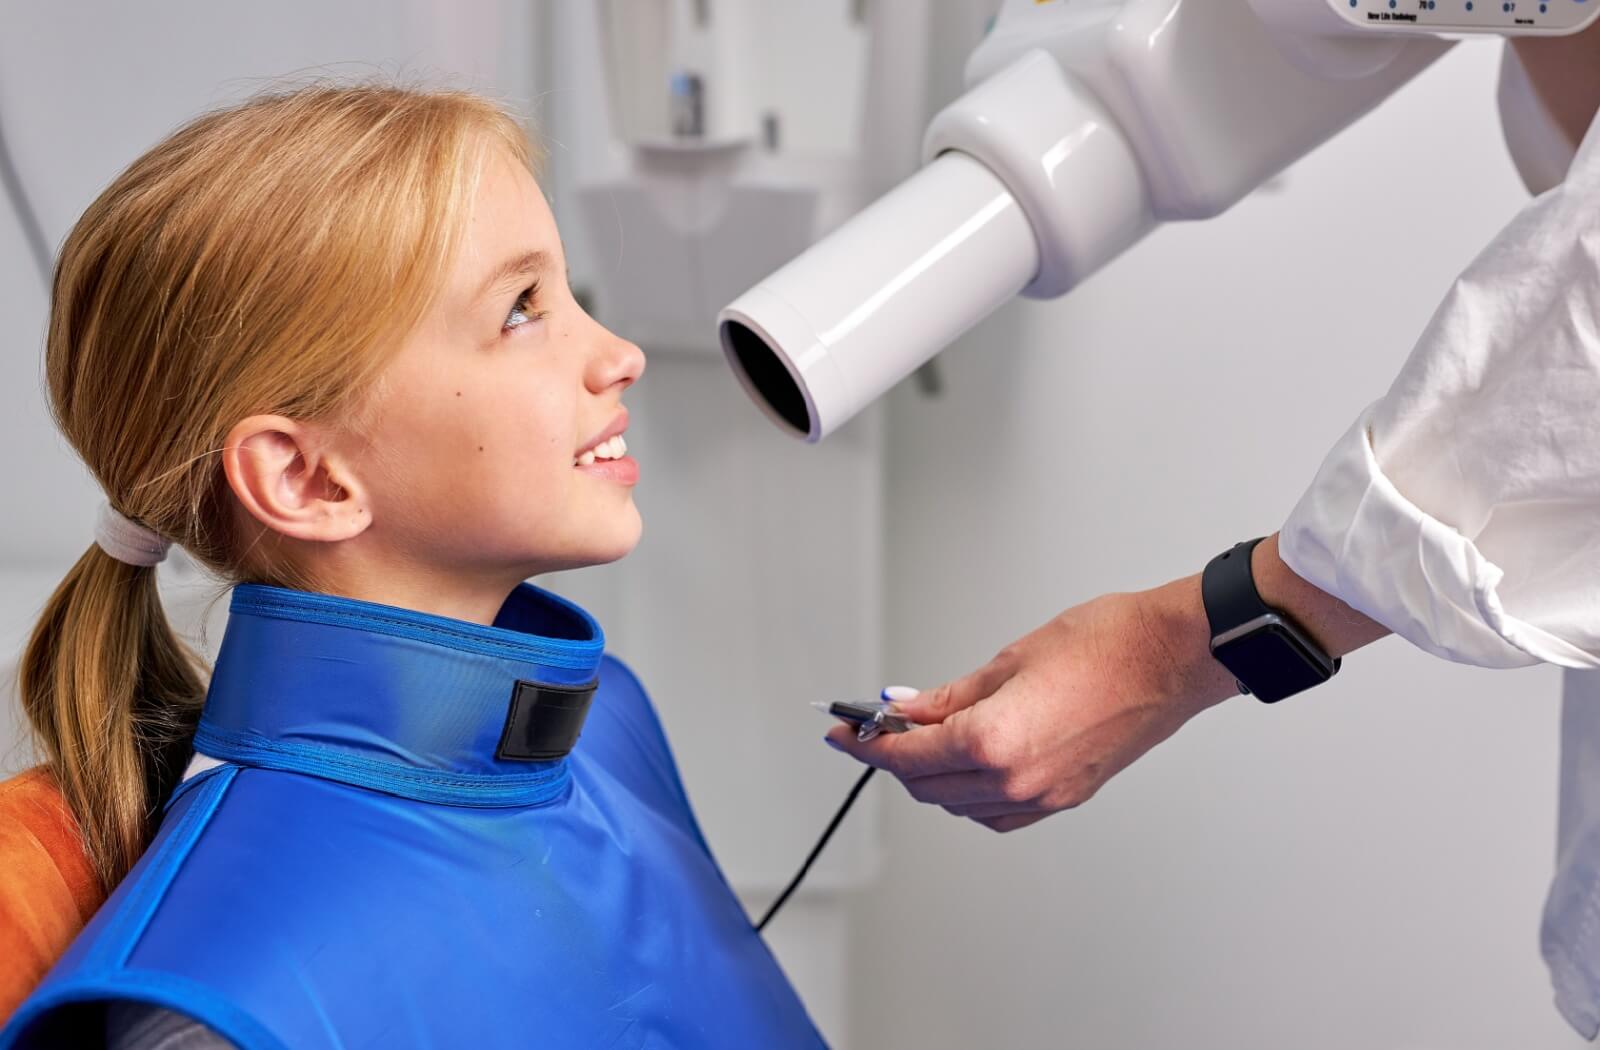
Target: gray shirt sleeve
(142, 1026)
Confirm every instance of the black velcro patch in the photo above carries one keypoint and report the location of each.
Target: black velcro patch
(544, 721)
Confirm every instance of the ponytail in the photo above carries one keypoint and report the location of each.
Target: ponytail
(113, 697)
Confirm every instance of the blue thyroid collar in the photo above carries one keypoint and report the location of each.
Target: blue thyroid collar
(399, 701)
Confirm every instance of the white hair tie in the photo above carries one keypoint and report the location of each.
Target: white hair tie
(126, 540)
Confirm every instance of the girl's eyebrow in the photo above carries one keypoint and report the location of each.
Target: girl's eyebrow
(520, 266)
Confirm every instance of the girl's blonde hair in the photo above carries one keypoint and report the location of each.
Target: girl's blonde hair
(266, 258)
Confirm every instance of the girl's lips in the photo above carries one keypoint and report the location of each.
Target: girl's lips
(624, 471)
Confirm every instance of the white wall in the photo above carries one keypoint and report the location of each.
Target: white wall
(1362, 866)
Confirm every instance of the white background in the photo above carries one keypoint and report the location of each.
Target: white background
(1362, 866)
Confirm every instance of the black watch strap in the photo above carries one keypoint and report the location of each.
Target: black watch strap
(1270, 656)
(1228, 589)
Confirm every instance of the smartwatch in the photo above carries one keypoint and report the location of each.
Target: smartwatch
(1268, 653)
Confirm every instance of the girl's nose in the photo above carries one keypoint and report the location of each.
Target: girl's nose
(616, 363)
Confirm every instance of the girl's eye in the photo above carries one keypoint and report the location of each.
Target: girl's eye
(522, 310)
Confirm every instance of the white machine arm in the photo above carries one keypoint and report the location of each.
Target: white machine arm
(1088, 122)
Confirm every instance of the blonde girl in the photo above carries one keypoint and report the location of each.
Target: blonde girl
(324, 341)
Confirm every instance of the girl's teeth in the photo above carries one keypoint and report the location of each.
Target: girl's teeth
(611, 448)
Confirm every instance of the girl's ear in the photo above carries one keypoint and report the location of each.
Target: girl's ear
(287, 476)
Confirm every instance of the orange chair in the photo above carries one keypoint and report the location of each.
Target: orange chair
(48, 890)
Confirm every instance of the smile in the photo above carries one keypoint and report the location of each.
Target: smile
(611, 448)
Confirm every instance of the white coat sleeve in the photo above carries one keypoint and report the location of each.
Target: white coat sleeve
(1462, 509)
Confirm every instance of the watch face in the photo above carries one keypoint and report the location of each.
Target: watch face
(1271, 663)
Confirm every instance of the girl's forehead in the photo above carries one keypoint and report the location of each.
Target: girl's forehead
(509, 225)
(510, 206)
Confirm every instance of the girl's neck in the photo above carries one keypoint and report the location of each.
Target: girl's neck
(473, 598)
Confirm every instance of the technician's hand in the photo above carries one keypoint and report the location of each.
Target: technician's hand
(1053, 717)
(1043, 725)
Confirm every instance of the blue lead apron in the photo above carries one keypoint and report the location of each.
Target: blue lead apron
(387, 859)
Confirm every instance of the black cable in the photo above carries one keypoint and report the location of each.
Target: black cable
(833, 825)
(32, 232)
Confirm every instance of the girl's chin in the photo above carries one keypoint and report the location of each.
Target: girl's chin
(618, 543)
(606, 557)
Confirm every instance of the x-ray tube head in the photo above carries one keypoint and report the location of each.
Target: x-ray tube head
(1085, 126)
(1030, 186)
(827, 334)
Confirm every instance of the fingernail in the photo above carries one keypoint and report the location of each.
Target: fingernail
(900, 693)
(831, 742)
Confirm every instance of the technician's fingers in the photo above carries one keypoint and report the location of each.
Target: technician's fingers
(919, 753)
(939, 703)
(989, 810)
(842, 737)
(972, 787)
(1012, 822)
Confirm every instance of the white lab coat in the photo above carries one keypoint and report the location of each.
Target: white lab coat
(1462, 510)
